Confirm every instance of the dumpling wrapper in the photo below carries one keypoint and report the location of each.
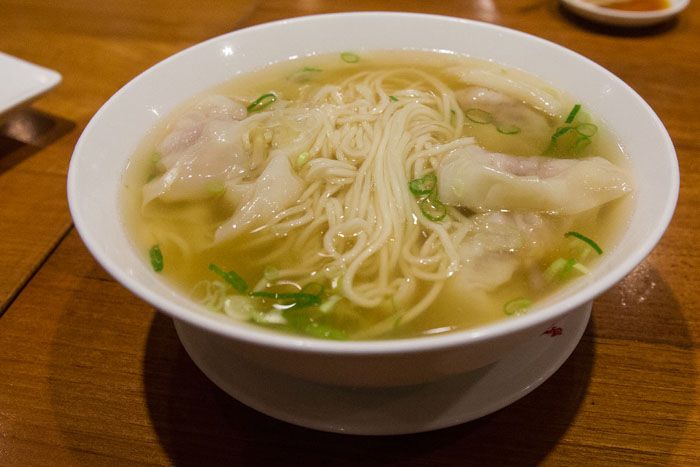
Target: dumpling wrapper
(484, 181)
(203, 148)
(513, 84)
(500, 243)
(276, 189)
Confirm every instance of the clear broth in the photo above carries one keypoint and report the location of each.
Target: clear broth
(196, 221)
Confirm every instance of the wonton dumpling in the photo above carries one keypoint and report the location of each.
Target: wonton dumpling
(503, 107)
(203, 150)
(277, 188)
(513, 86)
(486, 181)
(500, 243)
(188, 128)
(533, 127)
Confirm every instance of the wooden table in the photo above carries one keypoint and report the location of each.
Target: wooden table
(91, 375)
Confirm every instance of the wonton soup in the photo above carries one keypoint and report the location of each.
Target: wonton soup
(378, 195)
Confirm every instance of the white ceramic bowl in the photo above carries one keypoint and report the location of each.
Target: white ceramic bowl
(103, 150)
(613, 17)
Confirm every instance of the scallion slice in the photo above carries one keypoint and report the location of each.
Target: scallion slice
(394, 98)
(349, 57)
(156, 257)
(581, 143)
(271, 273)
(478, 116)
(216, 187)
(261, 102)
(572, 115)
(568, 267)
(433, 208)
(425, 189)
(583, 238)
(587, 129)
(305, 74)
(554, 269)
(507, 129)
(299, 299)
(313, 288)
(517, 305)
(302, 158)
(329, 304)
(424, 185)
(323, 331)
(561, 131)
(230, 277)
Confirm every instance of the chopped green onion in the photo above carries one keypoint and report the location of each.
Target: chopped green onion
(432, 208)
(582, 237)
(581, 142)
(271, 273)
(508, 129)
(573, 145)
(572, 114)
(302, 158)
(479, 116)
(562, 267)
(323, 331)
(303, 75)
(329, 304)
(156, 257)
(394, 98)
(268, 317)
(424, 185)
(313, 288)
(239, 306)
(216, 187)
(568, 267)
(426, 189)
(231, 277)
(587, 129)
(562, 130)
(349, 57)
(582, 256)
(558, 133)
(517, 305)
(555, 268)
(261, 102)
(310, 295)
(581, 268)
(297, 296)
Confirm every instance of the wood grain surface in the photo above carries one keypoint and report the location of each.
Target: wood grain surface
(90, 375)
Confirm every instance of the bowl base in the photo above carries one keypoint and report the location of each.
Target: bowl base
(390, 411)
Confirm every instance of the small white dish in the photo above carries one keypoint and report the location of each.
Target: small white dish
(613, 17)
(22, 82)
(389, 411)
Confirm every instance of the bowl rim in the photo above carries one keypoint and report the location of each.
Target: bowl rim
(264, 337)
